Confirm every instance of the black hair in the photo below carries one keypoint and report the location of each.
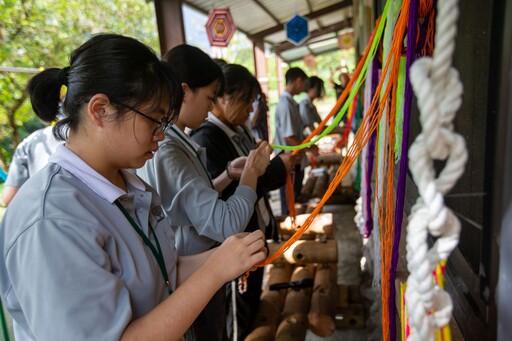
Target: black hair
(220, 62)
(194, 67)
(316, 83)
(239, 83)
(293, 73)
(124, 69)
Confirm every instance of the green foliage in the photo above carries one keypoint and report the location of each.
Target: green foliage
(42, 34)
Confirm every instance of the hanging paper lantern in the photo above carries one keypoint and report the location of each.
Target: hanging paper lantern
(297, 30)
(220, 27)
(346, 40)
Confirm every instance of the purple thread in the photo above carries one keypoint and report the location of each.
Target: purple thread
(371, 155)
(400, 191)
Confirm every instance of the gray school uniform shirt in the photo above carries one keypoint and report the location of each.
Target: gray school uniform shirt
(31, 155)
(72, 267)
(201, 220)
(288, 123)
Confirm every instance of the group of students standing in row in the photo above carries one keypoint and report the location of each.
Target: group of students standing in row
(152, 200)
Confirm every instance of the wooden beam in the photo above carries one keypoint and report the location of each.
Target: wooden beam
(266, 10)
(311, 15)
(169, 20)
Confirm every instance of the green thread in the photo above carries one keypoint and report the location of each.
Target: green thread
(399, 114)
(353, 91)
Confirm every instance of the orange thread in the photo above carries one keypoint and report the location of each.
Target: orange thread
(320, 127)
(368, 126)
(386, 209)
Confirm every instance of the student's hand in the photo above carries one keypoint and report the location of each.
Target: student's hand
(258, 159)
(289, 160)
(236, 167)
(237, 254)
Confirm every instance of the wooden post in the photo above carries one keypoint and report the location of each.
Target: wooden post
(295, 322)
(169, 20)
(271, 304)
(322, 313)
(260, 64)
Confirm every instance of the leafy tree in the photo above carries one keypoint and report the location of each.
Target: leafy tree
(42, 34)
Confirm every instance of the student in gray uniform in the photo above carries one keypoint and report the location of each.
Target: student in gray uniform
(87, 252)
(225, 136)
(29, 157)
(315, 89)
(179, 173)
(289, 128)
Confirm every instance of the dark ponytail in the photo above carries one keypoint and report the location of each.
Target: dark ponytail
(44, 91)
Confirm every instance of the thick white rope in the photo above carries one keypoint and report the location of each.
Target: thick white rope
(437, 86)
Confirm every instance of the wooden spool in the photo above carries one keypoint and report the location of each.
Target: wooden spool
(323, 224)
(329, 159)
(322, 313)
(294, 322)
(271, 304)
(307, 252)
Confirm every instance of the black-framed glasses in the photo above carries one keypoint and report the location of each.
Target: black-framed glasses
(161, 125)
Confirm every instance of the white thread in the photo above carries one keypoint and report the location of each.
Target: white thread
(233, 304)
(438, 88)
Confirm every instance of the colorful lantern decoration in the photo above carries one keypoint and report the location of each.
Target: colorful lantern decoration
(220, 27)
(297, 30)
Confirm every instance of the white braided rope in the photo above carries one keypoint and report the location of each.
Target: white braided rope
(437, 86)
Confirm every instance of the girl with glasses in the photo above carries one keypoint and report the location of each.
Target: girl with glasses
(86, 251)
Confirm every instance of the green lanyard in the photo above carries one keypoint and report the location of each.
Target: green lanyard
(197, 154)
(158, 254)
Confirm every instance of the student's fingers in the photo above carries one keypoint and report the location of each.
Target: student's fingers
(256, 258)
(253, 236)
(241, 235)
(255, 246)
(239, 162)
(267, 149)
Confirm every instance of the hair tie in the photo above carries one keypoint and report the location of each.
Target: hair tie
(63, 76)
